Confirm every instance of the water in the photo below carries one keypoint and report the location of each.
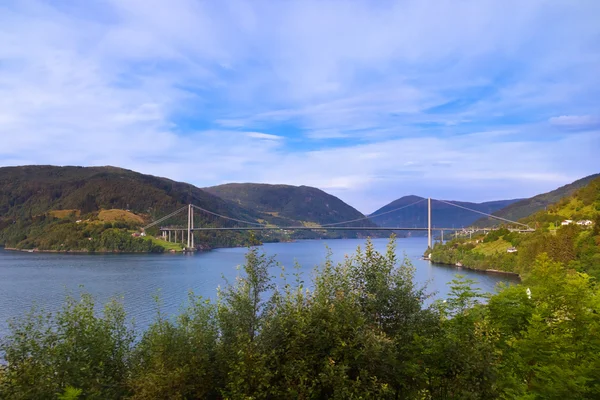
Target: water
(44, 279)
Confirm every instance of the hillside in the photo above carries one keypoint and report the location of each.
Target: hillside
(288, 205)
(583, 204)
(442, 215)
(577, 246)
(527, 207)
(42, 202)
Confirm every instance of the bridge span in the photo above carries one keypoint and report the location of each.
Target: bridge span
(173, 231)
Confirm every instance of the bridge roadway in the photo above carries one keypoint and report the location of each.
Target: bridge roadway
(338, 228)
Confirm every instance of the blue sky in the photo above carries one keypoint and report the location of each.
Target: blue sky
(368, 100)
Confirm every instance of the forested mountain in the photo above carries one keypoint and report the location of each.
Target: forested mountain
(442, 215)
(31, 195)
(289, 205)
(527, 207)
(575, 244)
(34, 190)
(40, 207)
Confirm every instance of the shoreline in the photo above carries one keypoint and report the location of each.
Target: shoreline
(487, 271)
(79, 251)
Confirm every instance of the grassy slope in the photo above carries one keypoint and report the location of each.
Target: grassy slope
(575, 246)
(527, 207)
(115, 215)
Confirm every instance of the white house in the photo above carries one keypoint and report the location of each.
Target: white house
(567, 222)
(511, 250)
(584, 222)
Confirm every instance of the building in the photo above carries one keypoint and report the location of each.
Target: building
(511, 250)
(567, 222)
(585, 222)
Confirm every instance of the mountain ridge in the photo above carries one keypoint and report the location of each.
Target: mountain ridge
(443, 215)
(526, 207)
(283, 204)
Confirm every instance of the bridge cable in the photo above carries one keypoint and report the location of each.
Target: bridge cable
(372, 216)
(482, 213)
(158, 221)
(229, 218)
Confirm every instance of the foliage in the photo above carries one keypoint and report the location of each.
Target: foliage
(575, 246)
(527, 207)
(33, 199)
(364, 330)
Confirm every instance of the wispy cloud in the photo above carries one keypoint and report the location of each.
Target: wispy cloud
(576, 122)
(469, 100)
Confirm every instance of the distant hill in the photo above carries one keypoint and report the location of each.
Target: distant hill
(527, 207)
(289, 205)
(32, 190)
(583, 204)
(442, 215)
(30, 193)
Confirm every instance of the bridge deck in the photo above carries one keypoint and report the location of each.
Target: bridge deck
(335, 228)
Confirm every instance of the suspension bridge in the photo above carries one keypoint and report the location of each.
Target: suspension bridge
(186, 233)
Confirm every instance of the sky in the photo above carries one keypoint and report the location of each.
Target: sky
(368, 100)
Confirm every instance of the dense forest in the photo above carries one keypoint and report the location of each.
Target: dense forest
(576, 246)
(362, 330)
(33, 196)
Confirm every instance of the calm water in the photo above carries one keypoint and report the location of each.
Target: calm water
(44, 279)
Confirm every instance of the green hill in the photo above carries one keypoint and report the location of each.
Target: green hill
(583, 204)
(527, 207)
(287, 205)
(32, 198)
(577, 246)
(442, 215)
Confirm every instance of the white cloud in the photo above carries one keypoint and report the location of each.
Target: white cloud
(370, 100)
(576, 122)
(264, 136)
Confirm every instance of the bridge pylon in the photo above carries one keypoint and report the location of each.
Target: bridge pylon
(429, 223)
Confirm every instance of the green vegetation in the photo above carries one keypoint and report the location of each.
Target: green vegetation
(39, 207)
(576, 246)
(66, 234)
(39, 204)
(527, 207)
(363, 331)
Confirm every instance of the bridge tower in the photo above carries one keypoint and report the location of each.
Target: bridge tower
(429, 223)
(189, 227)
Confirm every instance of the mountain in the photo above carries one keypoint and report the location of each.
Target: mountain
(527, 207)
(583, 204)
(36, 201)
(289, 205)
(33, 190)
(442, 215)
(99, 208)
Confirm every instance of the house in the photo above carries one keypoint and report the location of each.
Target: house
(511, 250)
(567, 222)
(584, 222)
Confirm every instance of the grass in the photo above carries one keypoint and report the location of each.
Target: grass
(64, 213)
(272, 213)
(114, 215)
(167, 245)
(498, 246)
(309, 224)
